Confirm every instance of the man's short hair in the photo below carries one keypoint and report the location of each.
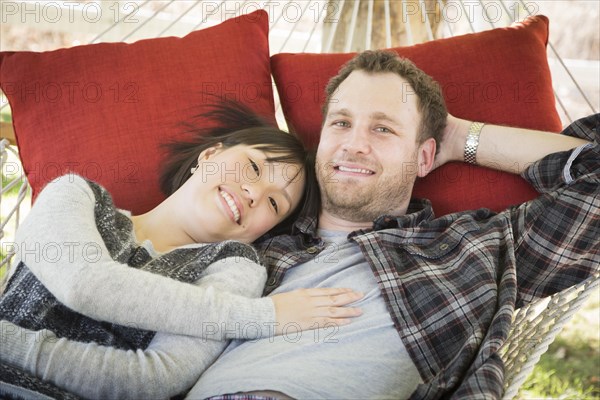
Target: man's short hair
(430, 101)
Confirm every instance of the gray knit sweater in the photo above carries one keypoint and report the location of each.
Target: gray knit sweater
(87, 359)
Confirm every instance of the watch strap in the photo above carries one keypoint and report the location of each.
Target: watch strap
(472, 142)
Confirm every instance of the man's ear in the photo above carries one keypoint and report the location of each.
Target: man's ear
(206, 154)
(426, 157)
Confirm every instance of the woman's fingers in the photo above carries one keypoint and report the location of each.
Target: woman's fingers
(315, 308)
(341, 312)
(314, 292)
(338, 297)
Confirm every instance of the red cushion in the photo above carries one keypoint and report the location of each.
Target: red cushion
(102, 110)
(499, 76)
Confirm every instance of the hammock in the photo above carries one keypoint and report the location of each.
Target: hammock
(322, 26)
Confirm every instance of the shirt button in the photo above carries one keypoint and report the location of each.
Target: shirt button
(271, 281)
(311, 250)
(443, 246)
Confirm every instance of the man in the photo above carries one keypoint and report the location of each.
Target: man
(439, 293)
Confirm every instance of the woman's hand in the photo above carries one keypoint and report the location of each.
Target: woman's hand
(315, 308)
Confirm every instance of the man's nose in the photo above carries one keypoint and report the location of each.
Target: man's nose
(357, 140)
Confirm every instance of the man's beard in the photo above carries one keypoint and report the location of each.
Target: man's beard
(368, 202)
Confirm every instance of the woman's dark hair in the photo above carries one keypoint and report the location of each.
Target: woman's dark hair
(231, 124)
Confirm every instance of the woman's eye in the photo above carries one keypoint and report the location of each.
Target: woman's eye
(255, 167)
(274, 204)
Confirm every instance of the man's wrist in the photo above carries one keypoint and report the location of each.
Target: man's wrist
(472, 142)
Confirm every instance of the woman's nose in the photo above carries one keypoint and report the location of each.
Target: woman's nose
(252, 192)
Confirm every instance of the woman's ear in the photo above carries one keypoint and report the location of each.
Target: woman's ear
(206, 154)
(426, 157)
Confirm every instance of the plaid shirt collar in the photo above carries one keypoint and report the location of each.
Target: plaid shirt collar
(419, 211)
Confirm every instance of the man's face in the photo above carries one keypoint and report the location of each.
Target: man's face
(368, 155)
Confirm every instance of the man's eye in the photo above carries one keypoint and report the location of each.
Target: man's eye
(255, 167)
(274, 204)
(383, 129)
(343, 124)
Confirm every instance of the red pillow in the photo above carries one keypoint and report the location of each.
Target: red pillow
(103, 110)
(499, 76)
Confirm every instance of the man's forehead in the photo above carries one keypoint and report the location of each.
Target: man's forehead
(382, 88)
(368, 79)
(375, 115)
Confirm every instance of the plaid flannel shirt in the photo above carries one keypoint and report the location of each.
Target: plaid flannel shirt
(451, 284)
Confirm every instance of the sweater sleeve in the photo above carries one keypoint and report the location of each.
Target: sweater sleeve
(60, 244)
(169, 366)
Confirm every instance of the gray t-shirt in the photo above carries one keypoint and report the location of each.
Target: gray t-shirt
(365, 359)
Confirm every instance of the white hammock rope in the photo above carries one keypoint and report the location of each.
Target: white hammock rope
(321, 14)
(369, 25)
(205, 18)
(291, 32)
(448, 26)
(556, 96)
(333, 30)
(117, 22)
(388, 24)
(560, 60)
(533, 329)
(487, 15)
(409, 32)
(176, 20)
(350, 32)
(140, 26)
(427, 23)
(274, 24)
(573, 80)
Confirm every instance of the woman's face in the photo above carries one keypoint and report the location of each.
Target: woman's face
(237, 194)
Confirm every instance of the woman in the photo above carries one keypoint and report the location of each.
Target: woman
(235, 181)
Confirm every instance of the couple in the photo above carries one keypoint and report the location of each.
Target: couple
(431, 299)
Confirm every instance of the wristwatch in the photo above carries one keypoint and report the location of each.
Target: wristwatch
(473, 142)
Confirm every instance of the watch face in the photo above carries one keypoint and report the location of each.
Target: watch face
(471, 141)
